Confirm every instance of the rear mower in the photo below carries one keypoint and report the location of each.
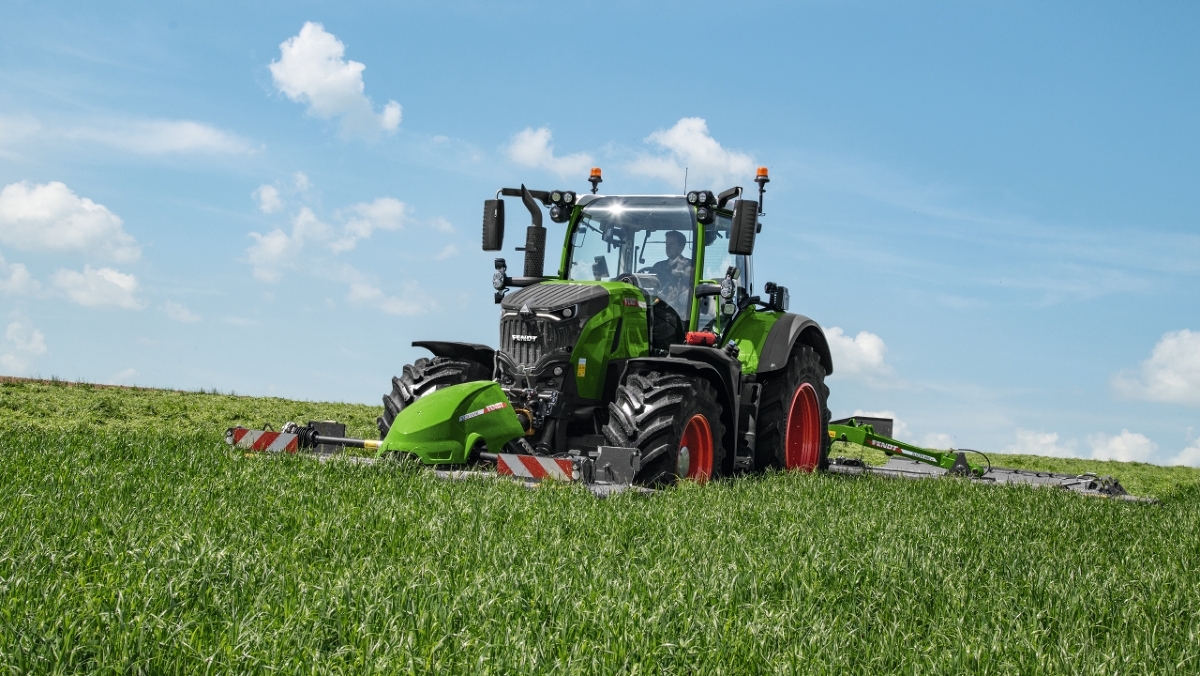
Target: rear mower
(645, 358)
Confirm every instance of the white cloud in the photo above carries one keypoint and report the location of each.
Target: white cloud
(899, 427)
(15, 279)
(938, 440)
(1171, 374)
(24, 344)
(531, 148)
(300, 179)
(1030, 442)
(277, 249)
(180, 313)
(268, 198)
(449, 251)
(863, 355)
(365, 294)
(50, 217)
(157, 137)
(13, 129)
(1189, 456)
(384, 213)
(99, 288)
(689, 145)
(441, 225)
(1125, 447)
(312, 70)
(124, 376)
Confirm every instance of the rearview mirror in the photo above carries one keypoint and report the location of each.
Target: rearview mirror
(600, 268)
(493, 225)
(745, 226)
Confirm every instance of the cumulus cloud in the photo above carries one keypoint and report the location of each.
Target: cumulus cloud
(441, 225)
(277, 249)
(15, 279)
(1124, 447)
(531, 148)
(1189, 456)
(362, 293)
(312, 70)
(99, 288)
(268, 198)
(180, 313)
(384, 213)
(689, 145)
(448, 251)
(50, 217)
(899, 428)
(1171, 374)
(860, 356)
(23, 344)
(1030, 442)
(158, 137)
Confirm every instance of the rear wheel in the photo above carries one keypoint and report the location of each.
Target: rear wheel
(422, 377)
(793, 423)
(674, 420)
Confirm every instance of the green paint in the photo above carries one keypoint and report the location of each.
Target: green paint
(594, 349)
(865, 436)
(441, 427)
(749, 332)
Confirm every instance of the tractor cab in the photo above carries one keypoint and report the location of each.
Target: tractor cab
(658, 244)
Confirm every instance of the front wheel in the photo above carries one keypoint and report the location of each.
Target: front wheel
(674, 420)
(422, 377)
(793, 420)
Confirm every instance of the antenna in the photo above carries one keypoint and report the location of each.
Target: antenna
(685, 180)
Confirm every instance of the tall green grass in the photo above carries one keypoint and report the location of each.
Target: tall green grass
(143, 552)
(146, 546)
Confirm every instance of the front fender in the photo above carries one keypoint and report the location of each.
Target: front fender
(785, 333)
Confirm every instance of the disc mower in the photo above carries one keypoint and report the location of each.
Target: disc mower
(647, 355)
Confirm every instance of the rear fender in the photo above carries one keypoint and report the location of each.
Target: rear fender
(788, 330)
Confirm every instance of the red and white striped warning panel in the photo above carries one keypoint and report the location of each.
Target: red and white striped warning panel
(533, 467)
(258, 440)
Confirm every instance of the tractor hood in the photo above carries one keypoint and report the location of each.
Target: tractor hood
(541, 324)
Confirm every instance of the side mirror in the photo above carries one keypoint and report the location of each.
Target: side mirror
(493, 225)
(600, 268)
(745, 226)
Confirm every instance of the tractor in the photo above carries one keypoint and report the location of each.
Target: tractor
(648, 351)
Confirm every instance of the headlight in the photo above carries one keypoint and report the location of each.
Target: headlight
(692, 198)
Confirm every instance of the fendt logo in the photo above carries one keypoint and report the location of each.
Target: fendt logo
(524, 339)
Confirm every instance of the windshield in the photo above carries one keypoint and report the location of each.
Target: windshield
(616, 236)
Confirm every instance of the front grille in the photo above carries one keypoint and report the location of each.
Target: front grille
(551, 336)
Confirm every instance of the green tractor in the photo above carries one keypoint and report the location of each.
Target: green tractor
(646, 357)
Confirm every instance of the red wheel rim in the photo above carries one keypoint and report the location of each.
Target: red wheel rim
(802, 442)
(697, 439)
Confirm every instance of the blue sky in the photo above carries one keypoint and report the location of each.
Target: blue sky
(992, 207)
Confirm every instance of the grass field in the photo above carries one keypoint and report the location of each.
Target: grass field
(133, 541)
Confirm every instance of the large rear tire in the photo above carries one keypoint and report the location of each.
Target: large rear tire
(793, 422)
(675, 421)
(422, 377)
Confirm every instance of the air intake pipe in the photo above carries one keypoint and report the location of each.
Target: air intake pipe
(535, 237)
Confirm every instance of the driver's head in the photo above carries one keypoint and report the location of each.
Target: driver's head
(675, 243)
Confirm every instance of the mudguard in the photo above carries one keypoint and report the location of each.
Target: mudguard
(784, 334)
(465, 351)
(443, 427)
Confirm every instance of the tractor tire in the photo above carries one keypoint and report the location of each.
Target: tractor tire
(422, 377)
(661, 414)
(793, 420)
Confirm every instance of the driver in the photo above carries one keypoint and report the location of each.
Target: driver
(675, 273)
